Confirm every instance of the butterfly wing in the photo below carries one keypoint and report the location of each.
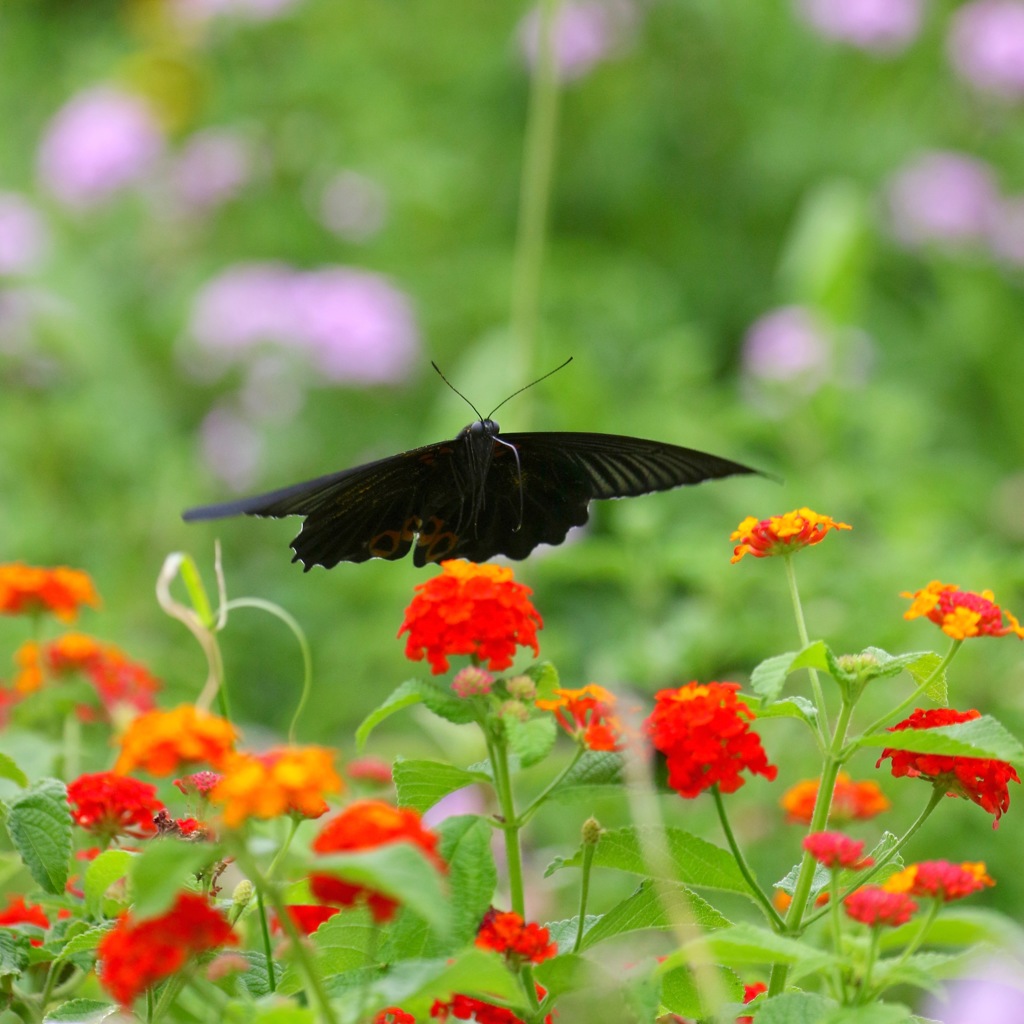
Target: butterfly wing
(538, 492)
(377, 510)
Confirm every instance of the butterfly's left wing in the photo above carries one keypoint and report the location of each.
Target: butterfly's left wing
(539, 485)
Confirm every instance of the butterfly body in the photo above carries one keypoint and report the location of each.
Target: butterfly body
(481, 494)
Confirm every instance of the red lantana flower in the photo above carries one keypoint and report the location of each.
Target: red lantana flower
(872, 905)
(961, 613)
(18, 911)
(850, 800)
(394, 1015)
(705, 735)
(470, 609)
(834, 850)
(138, 954)
(940, 879)
(307, 917)
(782, 535)
(110, 805)
(978, 779)
(467, 1008)
(29, 590)
(587, 715)
(750, 993)
(366, 825)
(508, 933)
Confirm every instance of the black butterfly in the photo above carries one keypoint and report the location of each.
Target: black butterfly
(477, 496)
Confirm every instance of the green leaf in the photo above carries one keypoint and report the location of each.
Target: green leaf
(84, 942)
(569, 973)
(159, 873)
(108, 868)
(531, 741)
(795, 1008)
(472, 877)
(80, 1011)
(688, 858)
(877, 1013)
(790, 707)
(563, 933)
(13, 953)
(959, 927)
(682, 989)
(768, 678)
(594, 769)
(399, 870)
(343, 943)
(653, 905)
(10, 770)
(983, 737)
(438, 699)
(39, 824)
(255, 980)
(922, 666)
(545, 676)
(748, 943)
(421, 784)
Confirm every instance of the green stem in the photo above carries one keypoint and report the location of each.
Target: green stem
(535, 192)
(588, 860)
(865, 984)
(268, 949)
(939, 669)
(538, 800)
(755, 889)
(509, 823)
(801, 628)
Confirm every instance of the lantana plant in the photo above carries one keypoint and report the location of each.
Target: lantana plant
(189, 877)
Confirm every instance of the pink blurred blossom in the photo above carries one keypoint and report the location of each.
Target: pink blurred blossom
(198, 11)
(993, 991)
(352, 325)
(986, 46)
(100, 142)
(353, 206)
(881, 26)
(232, 447)
(584, 33)
(788, 345)
(24, 238)
(1006, 232)
(211, 169)
(942, 197)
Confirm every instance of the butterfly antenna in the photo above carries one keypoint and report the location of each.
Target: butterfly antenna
(561, 366)
(457, 391)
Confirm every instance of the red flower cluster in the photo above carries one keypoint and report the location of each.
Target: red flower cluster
(850, 800)
(587, 715)
(833, 850)
(18, 911)
(307, 917)
(366, 825)
(470, 609)
(961, 613)
(138, 954)
(940, 879)
(979, 779)
(508, 933)
(704, 733)
(750, 993)
(111, 805)
(875, 906)
(29, 590)
(393, 1015)
(782, 535)
(467, 1008)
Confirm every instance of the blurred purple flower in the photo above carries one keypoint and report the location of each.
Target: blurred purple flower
(352, 325)
(212, 168)
(99, 142)
(245, 10)
(353, 206)
(788, 345)
(231, 446)
(468, 800)
(584, 33)
(1006, 232)
(24, 238)
(995, 993)
(881, 26)
(986, 45)
(942, 197)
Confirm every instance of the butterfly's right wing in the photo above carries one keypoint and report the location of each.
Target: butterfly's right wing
(370, 511)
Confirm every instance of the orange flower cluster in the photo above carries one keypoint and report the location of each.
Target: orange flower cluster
(138, 954)
(119, 681)
(782, 535)
(288, 780)
(470, 609)
(587, 715)
(940, 879)
(162, 742)
(705, 735)
(961, 614)
(111, 805)
(851, 801)
(980, 780)
(367, 825)
(29, 590)
(834, 850)
(872, 905)
(508, 933)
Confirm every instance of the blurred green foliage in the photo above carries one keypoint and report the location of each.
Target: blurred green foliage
(722, 162)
